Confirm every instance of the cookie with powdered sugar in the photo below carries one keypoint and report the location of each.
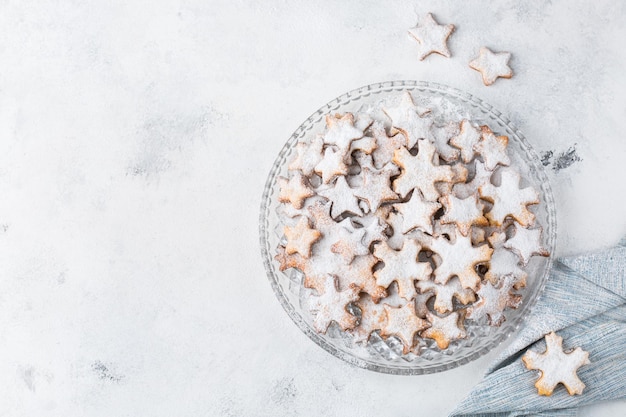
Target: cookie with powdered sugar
(308, 155)
(526, 243)
(493, 300)
(419, 172)
(504, 263)
(459, 259)
(410, 120)
(467, 137)
(300, 238)
(557, 366)
(492, 148)
(341, 131)
(444, 330)
(403, 323)
(464, 213)
(509, 200)
(431, 36)
(341, 196)
(401, 266)
(492, 65)
(373, 318)
(294, 190)
(444, 294)
(330, 306)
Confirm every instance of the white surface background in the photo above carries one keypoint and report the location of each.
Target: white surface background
(135, 139)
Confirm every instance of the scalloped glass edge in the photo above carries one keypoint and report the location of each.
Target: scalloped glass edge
(398, 86)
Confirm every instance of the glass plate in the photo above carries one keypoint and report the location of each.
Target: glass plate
(383, 355)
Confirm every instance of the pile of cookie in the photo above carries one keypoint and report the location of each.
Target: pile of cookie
(405, 226)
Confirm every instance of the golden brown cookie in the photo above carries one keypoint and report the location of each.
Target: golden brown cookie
(557, 366)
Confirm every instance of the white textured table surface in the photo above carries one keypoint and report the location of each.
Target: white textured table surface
(135, 139)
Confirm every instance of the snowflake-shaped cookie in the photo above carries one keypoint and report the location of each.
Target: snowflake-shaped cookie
(526, 243)
(444, 330)
(431, 36)
(493, 300)
(401, 266)
(403, 323)
(492, 65)
(557, 366)
(509, 200)
(300, 238)
(419, 172)
(331, 306)
(459, 258)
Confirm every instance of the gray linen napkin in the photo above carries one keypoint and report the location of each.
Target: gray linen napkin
(584, 302)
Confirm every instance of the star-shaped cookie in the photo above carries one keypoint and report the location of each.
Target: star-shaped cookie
(300, 238)
(343, 197)
(417, 213)
(294, 190)
(465, 140)
(492, 148)
(409, 119)
(375, 188)
(341, 131)
(331, 166)
(481, 176)
(431, 36)
(492, 65)
(445, 329)
(403, 323)
(526, 243)
(441, 136)
(308, 155)
(385, 145)
(349, 244)
(463, 212)
(373, 317)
